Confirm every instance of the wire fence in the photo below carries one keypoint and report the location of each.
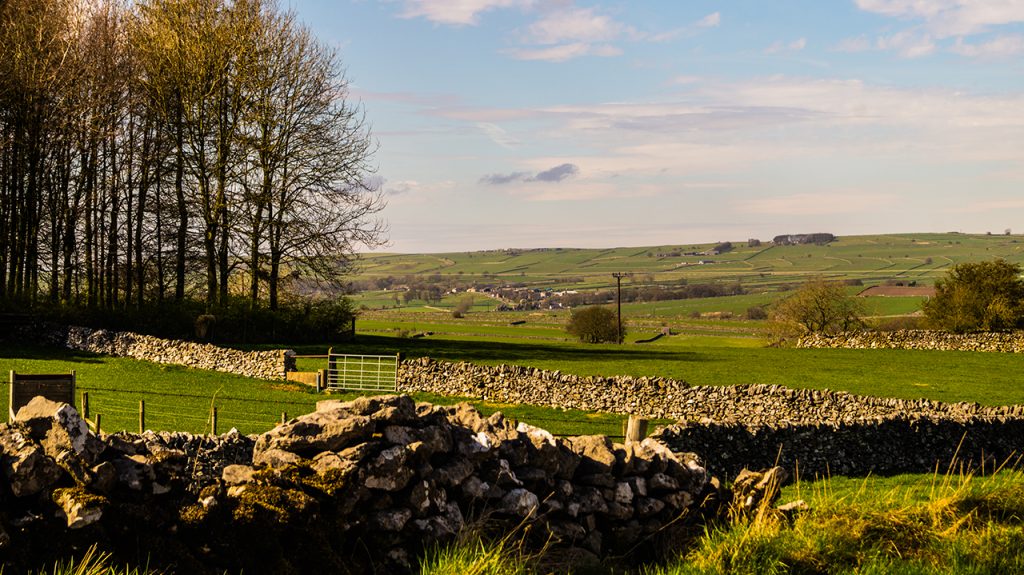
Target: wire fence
(208, 413)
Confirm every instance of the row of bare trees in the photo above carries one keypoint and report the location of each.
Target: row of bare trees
(170, 149)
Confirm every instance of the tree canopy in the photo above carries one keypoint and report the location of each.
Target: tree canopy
(978, 296)
(818, 306)
(169, 149)
(594, 324)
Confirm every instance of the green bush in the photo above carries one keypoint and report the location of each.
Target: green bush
(819, 306)
(978, 296)
(594, 324)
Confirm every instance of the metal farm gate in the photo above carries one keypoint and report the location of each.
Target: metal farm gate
(361, 372)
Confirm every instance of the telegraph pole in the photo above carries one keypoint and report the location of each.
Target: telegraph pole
(618, 301)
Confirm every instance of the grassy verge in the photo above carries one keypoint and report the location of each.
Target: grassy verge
(912, 524)
(909, 524)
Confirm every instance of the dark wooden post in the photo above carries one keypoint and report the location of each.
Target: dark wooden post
(213, 421)
(99, 418)
(85, 405)
(284, 417)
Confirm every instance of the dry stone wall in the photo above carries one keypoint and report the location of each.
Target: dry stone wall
(673, 399)
(357, 487)
(815, 432)
(900, 444)
(270, 365)
(1008, 342)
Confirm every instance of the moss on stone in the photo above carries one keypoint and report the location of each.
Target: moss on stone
(79, 495)
(270, 503)
(192, 515)
(331, 482)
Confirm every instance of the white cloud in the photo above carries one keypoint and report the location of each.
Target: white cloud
(949, 18)
(565, 52)
(712, 20)
(574, 25)
(456, 12)
(1000, 47)
(571, 32)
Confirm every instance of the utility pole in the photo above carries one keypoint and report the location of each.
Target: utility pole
(618, 301)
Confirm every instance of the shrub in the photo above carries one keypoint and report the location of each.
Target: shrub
(464, 305)
(985, 296)
(757, 312)
(818, 306)
(594, 324)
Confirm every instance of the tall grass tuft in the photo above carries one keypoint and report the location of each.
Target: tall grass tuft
(93, 562)
(960, 523)
(477, 556)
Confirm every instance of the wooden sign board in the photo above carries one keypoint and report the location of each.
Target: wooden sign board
(55, 387)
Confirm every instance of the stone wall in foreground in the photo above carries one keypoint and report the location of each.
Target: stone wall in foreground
(900, 444)
(1007, 342)
(358, 487)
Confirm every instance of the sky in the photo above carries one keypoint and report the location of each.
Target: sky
(569, 123)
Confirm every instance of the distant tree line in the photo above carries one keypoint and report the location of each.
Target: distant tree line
(163, 150)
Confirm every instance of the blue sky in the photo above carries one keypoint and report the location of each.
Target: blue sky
(561, 123)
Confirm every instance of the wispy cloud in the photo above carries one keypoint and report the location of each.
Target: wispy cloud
(456, 12)
(948, 18)
(574, 24)
(565, 52)
(999, 47)
(552, 175)
(498, 135)
(934, 23)
(780, 46)
(712, 20)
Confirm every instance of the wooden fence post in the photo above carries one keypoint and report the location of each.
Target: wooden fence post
(213, 421)
(142, 415)
(284, 417)
(636, 429)
(99, 418)
(85, 405)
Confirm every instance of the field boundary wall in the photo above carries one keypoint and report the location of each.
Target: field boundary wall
(1006, 342)
(813, 432)
(269, 365)
(663, 398)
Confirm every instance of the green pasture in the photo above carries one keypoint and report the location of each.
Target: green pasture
(987, 378)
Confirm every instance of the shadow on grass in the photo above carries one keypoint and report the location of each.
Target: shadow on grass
(490, 351)
(11, 350)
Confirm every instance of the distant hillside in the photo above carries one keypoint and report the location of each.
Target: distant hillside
(872, 259)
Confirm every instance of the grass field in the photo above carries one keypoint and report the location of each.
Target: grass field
(918, 257)
(987, 378)
(179, 398)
